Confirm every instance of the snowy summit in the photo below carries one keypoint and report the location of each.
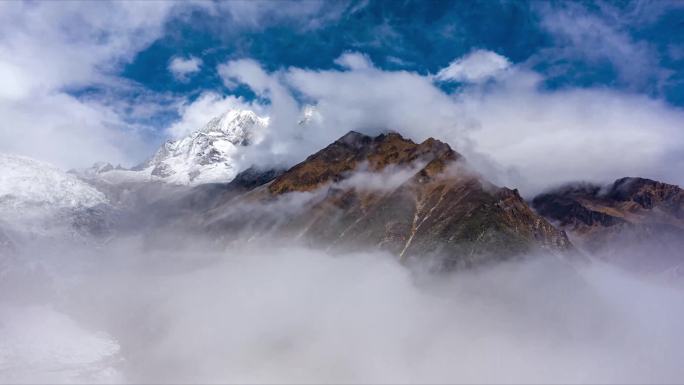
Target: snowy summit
(208, 155)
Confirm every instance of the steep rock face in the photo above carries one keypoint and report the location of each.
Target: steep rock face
(414, 200)
(636, 222)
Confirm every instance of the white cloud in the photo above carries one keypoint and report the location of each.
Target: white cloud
(354, 61)
(551, 137)
(274, 312)
(513, 131)
(475, 67)
(283, 145)
(182, 68)
(603, 37)
(47, 47)
(262, 13)
(68, 132)
(245, 71)
(206, 107)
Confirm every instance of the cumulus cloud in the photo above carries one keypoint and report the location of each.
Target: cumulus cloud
(206, 107)
(551, 137)
(86, 46)
(249, 72)
(48, 48)
(354, 61)
(283, 143)
(66, 131)
(475, 67)
(513, 131)
(182, 68)
(365, 99)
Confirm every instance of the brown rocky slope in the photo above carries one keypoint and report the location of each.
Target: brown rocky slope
(635, 222)
(416, 201)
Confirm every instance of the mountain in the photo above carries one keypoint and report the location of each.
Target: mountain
(96, 169)
(417, 201)
(40, 200)
(637, 223)
(207, 155)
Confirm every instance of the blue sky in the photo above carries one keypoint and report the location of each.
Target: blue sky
(115, 79)
(635, 46)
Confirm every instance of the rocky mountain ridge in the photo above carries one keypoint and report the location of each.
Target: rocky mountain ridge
(438, 210)
(636, 222)
(414, 200)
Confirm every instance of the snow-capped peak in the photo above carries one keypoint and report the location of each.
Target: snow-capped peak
(309, 114)
(209, 154)
(237, 126)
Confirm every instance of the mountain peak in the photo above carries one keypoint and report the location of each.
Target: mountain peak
(350, 151)
(646, 193)
(208, 154)
(353, 138)
(627, 218)
(236, 126)
(392, 193)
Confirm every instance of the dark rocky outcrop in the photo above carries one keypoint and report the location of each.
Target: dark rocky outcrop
(635, 222)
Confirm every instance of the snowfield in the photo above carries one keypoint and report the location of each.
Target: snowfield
(25, 183)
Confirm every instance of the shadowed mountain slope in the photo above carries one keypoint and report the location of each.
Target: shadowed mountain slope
(636, 222)
(413, 200)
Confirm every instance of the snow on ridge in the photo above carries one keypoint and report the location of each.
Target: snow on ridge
(26, 182)
(209, 154)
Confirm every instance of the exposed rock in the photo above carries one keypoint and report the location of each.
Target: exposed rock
(635, 222)
(439, 211)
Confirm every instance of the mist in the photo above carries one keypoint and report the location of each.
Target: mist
(273, 311)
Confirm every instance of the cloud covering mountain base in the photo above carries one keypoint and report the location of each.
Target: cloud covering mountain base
(138, 312)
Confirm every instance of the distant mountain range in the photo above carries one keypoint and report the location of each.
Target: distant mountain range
(635, 222)
(38, 200)
(418, 201)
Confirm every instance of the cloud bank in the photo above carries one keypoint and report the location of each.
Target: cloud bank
(511, 128)
(48, 49)
(141, 312)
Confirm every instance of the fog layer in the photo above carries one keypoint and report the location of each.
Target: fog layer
(282, 313)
